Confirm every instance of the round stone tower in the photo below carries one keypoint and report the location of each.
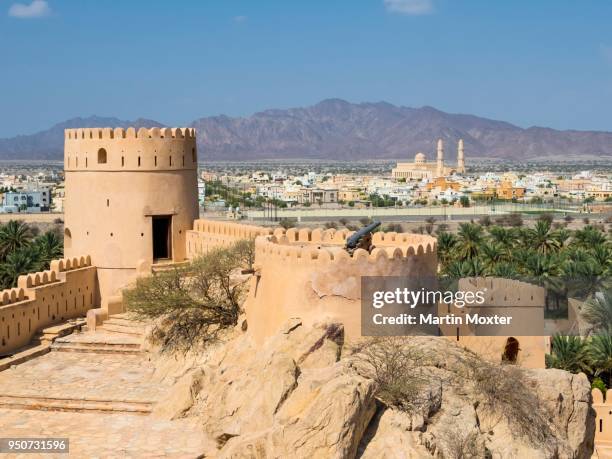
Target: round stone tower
(131, 196)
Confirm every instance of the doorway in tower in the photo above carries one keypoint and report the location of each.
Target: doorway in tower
(162, 237)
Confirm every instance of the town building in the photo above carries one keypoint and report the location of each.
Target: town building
(421, 169)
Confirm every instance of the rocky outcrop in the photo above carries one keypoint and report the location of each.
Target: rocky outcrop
(307, 394)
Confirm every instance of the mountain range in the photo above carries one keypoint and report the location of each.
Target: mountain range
(336, 129)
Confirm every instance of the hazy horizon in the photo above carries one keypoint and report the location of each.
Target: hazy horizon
(528, 63)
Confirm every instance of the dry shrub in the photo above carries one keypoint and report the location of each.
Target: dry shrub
(192, 303)
(397, 367)
(458, 443)
(505, 392)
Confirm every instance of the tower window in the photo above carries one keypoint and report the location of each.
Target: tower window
(139, 161)
(171, 160)
(193, 155)
(122, 161)
(156, 160)
(102, 156)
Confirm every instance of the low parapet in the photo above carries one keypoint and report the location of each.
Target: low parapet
(505, 292)
(64, 291)
(209, 234)
(389, 245)
(129, 133)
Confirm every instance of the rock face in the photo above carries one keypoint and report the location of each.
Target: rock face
(307, 394)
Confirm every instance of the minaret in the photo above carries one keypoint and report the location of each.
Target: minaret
(460, 158)
(440, 162)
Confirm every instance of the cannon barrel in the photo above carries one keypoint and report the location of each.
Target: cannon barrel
(353, 240)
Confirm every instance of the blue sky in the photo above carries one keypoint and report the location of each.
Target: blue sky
(544, 62)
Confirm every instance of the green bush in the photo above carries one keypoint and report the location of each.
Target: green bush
(192, 303)
(599, 384)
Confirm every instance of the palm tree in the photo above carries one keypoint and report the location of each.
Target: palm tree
(584, 277)
(14, 236)
(506, 237)
(18, 262)
(569, 353)
(457, 269)
(469, 239)
(541, 238)
(492, 253)
(589, 236)
(598, 310)
(602, 254)
(504, 269)
(50, 247)
(545, 270)
(600, 353)
(446, 242)
(562, 235)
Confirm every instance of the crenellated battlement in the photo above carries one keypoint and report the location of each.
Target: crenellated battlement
(208, 234)
(502, 292)
(64, 291)
(305, 245)
(131, 149)
(129, 133)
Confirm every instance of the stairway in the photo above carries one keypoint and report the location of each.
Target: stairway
(22, 402)
(119, 335)
(123, 324)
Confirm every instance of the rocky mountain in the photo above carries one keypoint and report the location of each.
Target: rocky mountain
(336, 129)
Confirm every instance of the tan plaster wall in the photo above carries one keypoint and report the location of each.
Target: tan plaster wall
(603, 419)
(501, 294)
(209, 234)
(307, 274)
(42, 299)
(109, 206)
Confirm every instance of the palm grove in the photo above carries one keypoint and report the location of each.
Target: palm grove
(23, 250)
(567, 263)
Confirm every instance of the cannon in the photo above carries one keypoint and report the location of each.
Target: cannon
(361, 239)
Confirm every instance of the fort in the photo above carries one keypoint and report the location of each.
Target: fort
(131, 207)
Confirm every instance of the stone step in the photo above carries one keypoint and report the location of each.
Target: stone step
(23, 355)
(24, 402)
(49, 334)
(124, 321)
(98, 348)
(127, 330)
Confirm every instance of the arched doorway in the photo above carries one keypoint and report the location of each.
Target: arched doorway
(511, 350)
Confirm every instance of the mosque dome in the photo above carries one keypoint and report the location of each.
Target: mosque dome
(419, 158)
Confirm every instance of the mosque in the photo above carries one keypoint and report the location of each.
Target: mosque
(421, 169)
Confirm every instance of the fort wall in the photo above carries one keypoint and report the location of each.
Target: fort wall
(603, 415)
(307, 274)
(502, 296)
(209, 234)
(119, 183)
(65, 291)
